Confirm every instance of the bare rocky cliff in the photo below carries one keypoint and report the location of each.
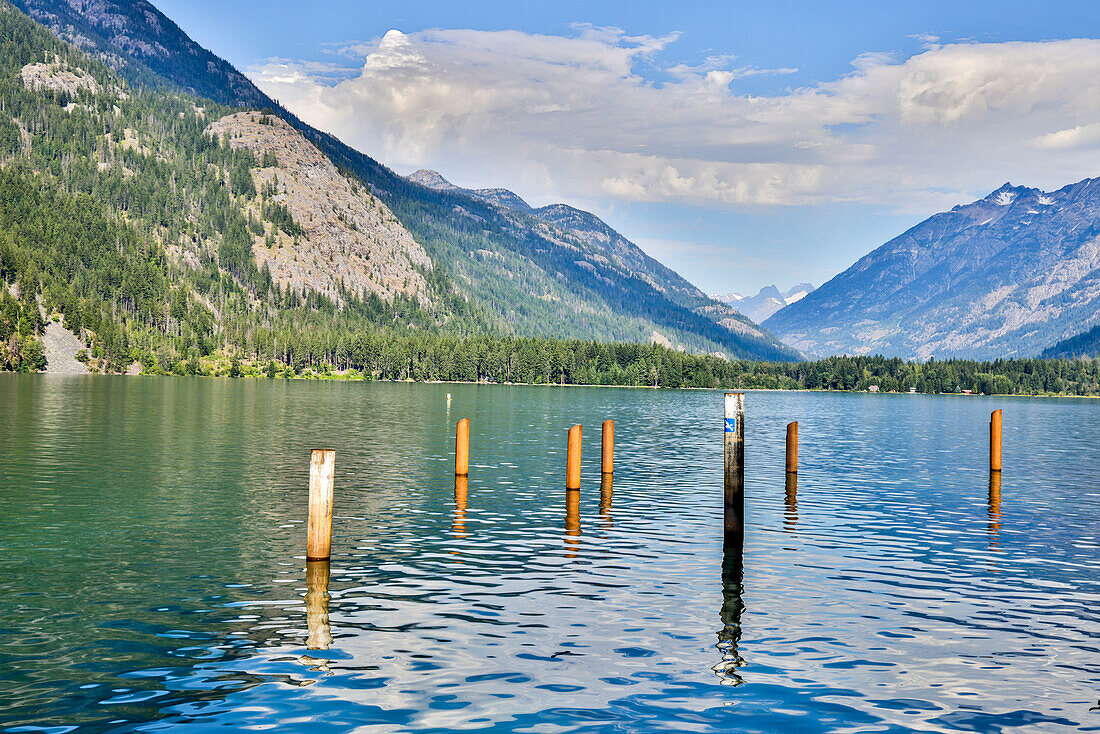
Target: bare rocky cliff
(348, 237)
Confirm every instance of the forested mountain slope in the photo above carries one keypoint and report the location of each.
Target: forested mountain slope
(1006, 275)
(1085, 344)
(520, 276)
(125, 212)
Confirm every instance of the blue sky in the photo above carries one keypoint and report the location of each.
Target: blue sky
(740, 143)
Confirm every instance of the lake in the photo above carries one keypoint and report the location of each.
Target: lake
(155, 576)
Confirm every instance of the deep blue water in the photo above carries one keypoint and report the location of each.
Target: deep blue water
(154, 575)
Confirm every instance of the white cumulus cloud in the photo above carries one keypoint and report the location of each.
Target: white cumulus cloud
(574, 117)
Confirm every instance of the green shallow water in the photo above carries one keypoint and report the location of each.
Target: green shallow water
(154, 573)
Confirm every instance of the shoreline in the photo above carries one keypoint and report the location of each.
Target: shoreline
(343, 377)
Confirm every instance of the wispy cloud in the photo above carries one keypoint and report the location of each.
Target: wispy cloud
(572, 117)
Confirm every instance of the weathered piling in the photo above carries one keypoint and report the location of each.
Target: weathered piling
(792, 447)
(607, 464)
(318, 631)
(734, 495)
(995, 440)
(573, 459)
(322, 467)
(462, 448)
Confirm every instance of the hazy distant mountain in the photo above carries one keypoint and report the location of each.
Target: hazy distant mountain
(1006, 275)
(766, 302)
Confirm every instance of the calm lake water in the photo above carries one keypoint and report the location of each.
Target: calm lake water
(154, 571)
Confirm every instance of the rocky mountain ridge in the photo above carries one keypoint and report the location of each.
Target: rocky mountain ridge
(497, 196)
(1007, 275)
(572, 227)
(134, 34)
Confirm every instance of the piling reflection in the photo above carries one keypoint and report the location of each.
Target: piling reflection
(605, 500)
(319, 635)
(572, 522)
(994, 511)
(458, 524)
(790, 516)
(729, 636)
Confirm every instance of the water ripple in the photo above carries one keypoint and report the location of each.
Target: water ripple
(156, 528)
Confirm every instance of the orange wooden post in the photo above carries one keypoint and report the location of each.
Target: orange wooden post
(995, 441)
(608, 464)
(462, 448)
(322, 467)
(792, 447)
(573, 459)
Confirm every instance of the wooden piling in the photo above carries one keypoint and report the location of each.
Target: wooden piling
(573, 459)
(995, 440)
(792, 447)
(462, 448)
(734, 495)
(322, 467)
(608, 463)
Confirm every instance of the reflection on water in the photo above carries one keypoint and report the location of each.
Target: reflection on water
(572, 521)
(317, 598)
(154, 531)
(729, 636)
(994, 513)
(994, 502)
(790, 492)
(458, 525)
(606, 489)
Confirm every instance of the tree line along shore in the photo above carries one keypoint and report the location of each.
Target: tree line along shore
(425, 357)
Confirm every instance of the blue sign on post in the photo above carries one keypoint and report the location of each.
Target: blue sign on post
(731, 425)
